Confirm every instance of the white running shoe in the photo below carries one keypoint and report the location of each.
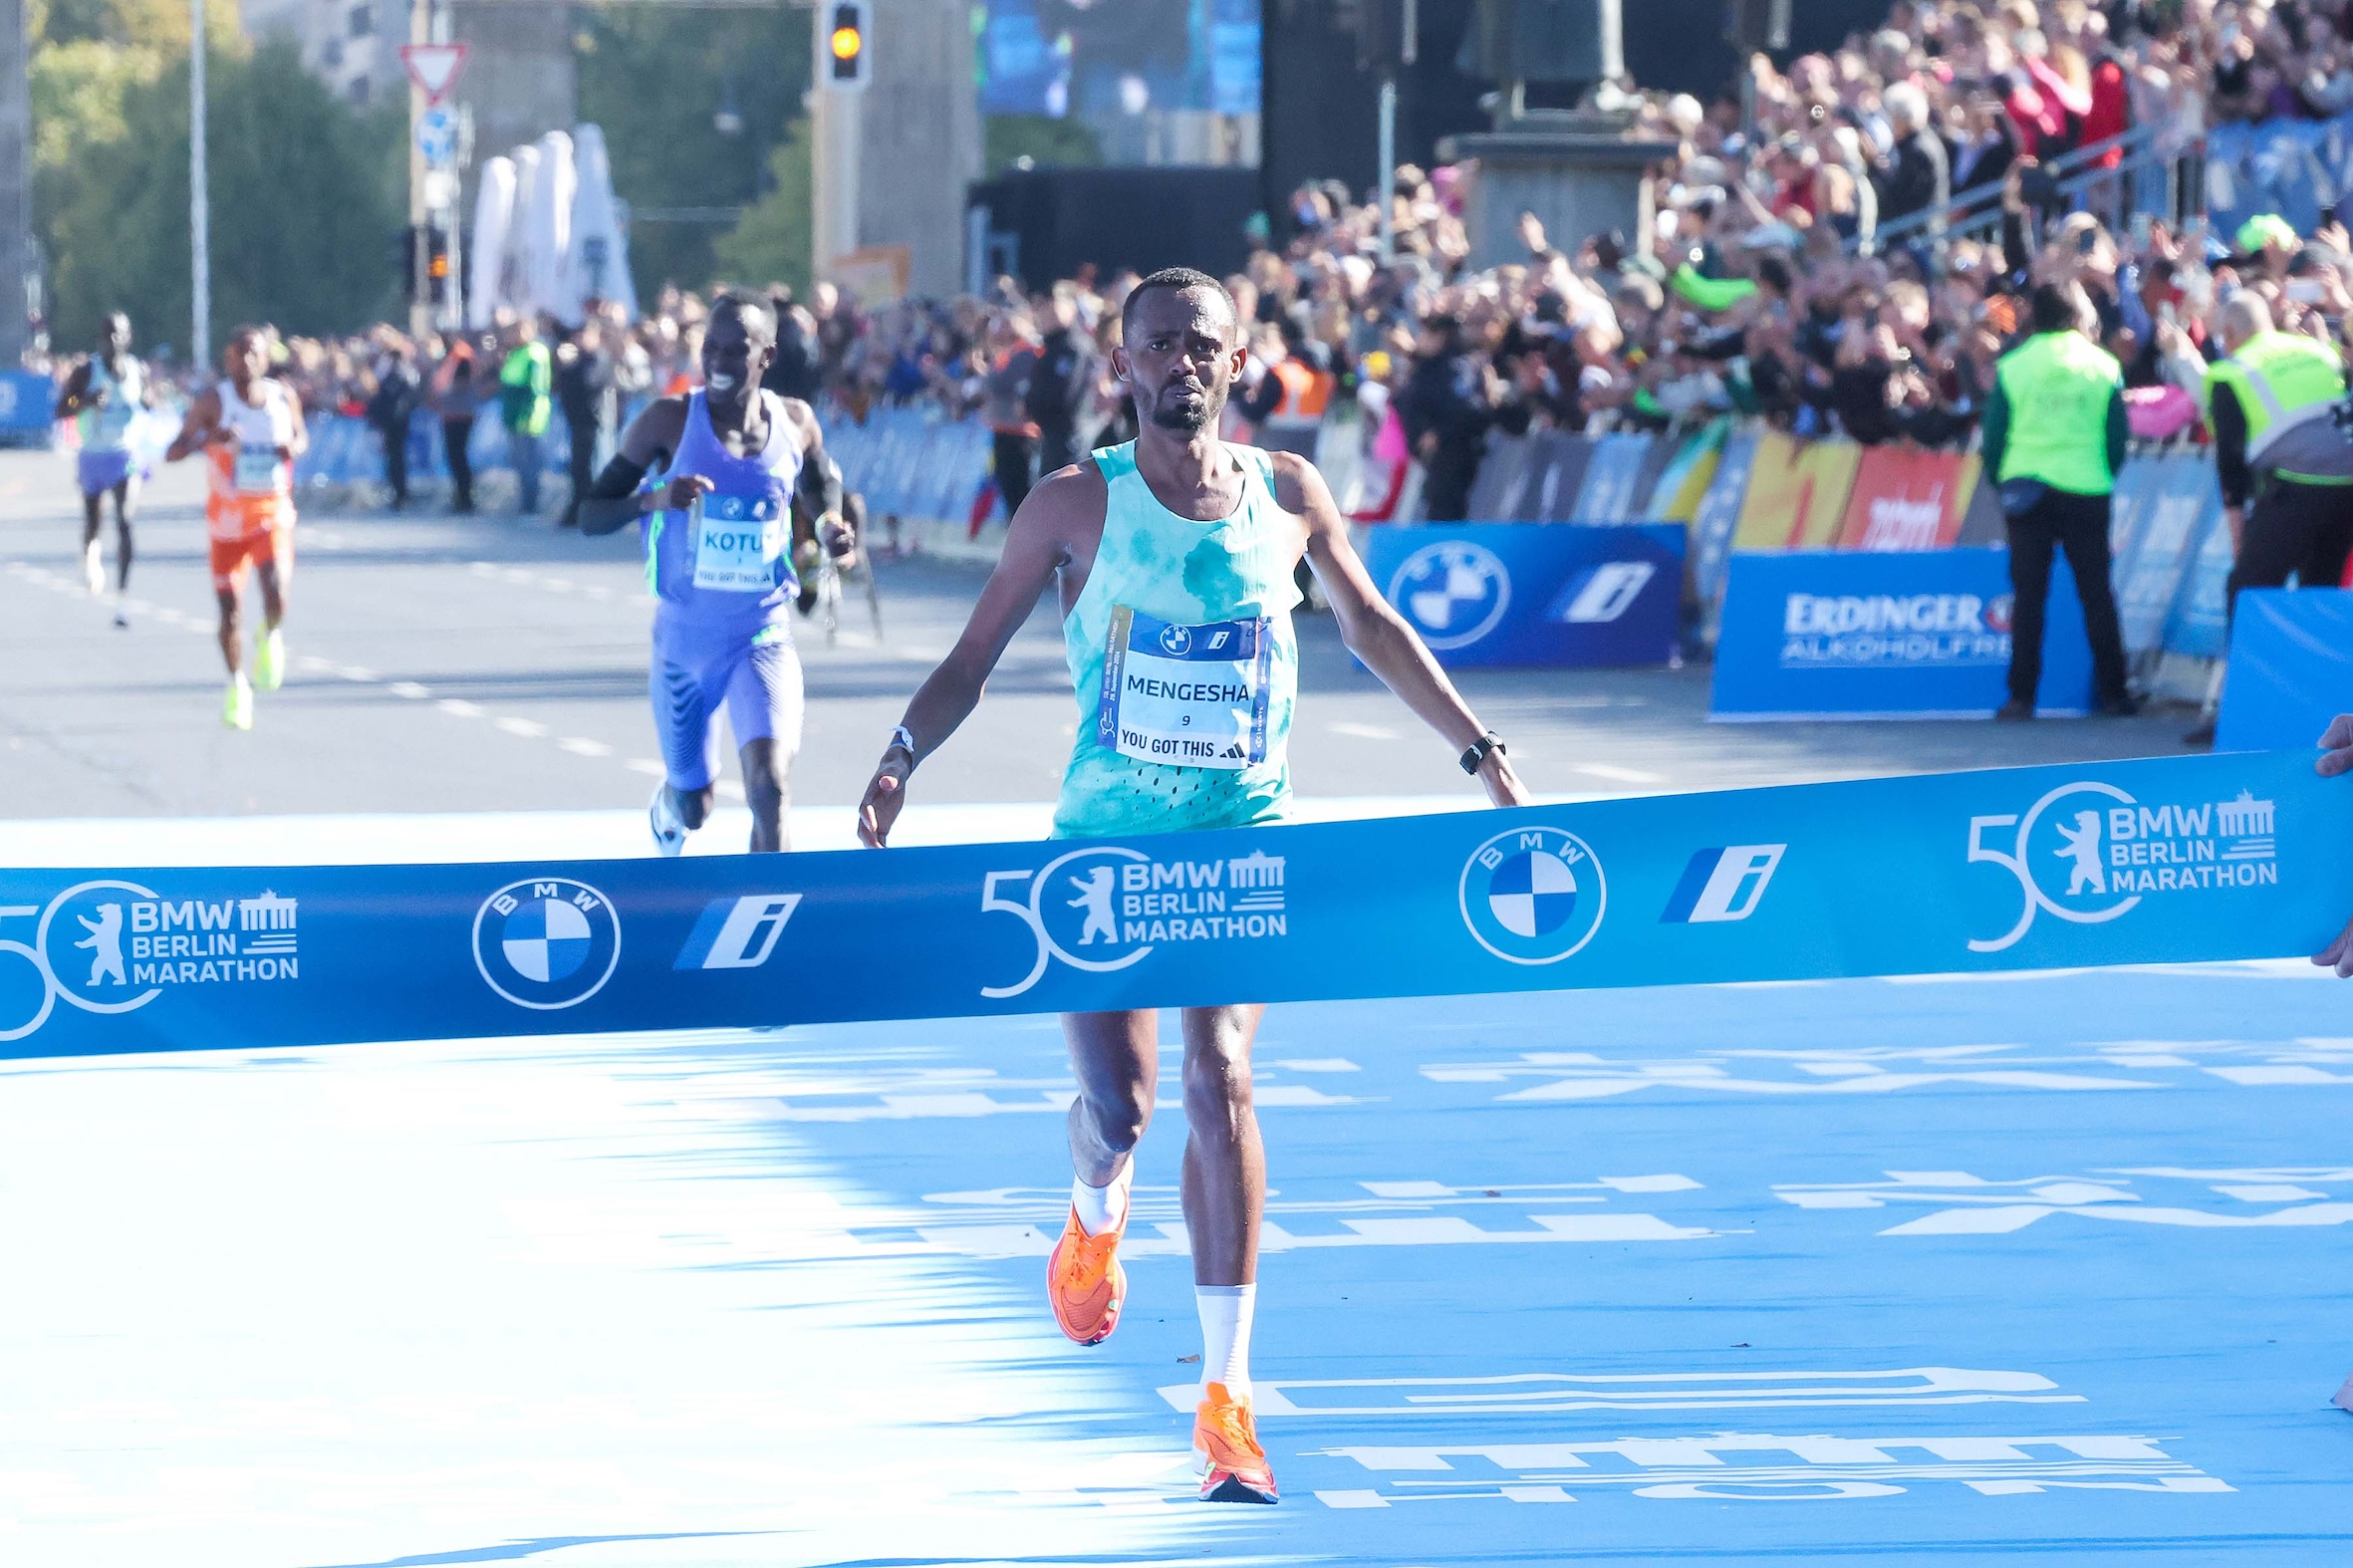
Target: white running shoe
(93, 570)
(122, 615)
(669, 829)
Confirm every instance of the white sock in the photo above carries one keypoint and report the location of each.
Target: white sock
(1226, 1312)
(1103, 1208)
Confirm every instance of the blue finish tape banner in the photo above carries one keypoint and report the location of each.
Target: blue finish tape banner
(2175, 860)
(1886, 634)
(1535, 594)
(2291, 668)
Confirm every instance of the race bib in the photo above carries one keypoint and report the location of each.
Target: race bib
(738, 541)
(1191, 696)
(256, 470)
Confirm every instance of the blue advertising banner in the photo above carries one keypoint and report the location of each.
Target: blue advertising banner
(1535, 594)
(2168, 861)
(2294, 167)
(2172, 507)
(1720, 514)
(27, 399)
(1613, 489)
(1886, 634)
(2291, 668)
(2200, 626)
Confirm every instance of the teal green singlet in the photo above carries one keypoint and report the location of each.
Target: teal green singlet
(1193, 621)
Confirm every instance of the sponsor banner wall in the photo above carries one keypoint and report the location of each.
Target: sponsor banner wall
(1613, 491)
(2174, 859)
(27, 399)
(1797, 494)
(2291, 668)
(1718, 513)
(2200, 626)
(1529, 477)
(1535, 594)
(1884, 634)
(1908, 499)
(2172, 503)
(1684, 482)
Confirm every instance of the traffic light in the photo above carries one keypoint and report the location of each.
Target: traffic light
(844, 51)
(432, 264)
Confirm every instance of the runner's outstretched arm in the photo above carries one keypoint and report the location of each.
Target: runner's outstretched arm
(70, 395)
(1377, 633)
(651, 436)
(196, 428)
(1037, 546)
(2336, 756)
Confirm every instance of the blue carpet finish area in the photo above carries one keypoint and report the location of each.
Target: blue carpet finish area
(1948, 1270)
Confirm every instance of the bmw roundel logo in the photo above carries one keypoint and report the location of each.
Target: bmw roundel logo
(1534, 894)
(1176, 639)
(1453, 592)
(547, 942)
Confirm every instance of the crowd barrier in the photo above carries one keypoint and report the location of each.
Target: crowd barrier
(1744, 491)
(1535, 594)
(2299, 168)
(2165, 861)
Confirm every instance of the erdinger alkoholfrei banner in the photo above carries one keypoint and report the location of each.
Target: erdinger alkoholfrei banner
(2193, 859)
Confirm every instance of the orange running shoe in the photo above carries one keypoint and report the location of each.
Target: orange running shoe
(1226, 1440)
(1085, 1282)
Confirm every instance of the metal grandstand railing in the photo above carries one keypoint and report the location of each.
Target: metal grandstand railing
(2142, 178)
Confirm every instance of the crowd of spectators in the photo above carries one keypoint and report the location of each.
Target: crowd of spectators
(1761, 288)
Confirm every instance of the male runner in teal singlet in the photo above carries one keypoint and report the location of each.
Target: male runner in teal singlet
(1166, 550)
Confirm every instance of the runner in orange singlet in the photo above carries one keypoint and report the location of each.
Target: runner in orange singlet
(250, 430)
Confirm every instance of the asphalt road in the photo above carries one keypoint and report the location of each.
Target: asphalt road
(493, 664)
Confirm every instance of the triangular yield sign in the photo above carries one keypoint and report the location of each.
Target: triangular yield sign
(434, 68)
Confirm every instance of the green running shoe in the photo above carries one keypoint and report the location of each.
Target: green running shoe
(269, 661)
(236, 710)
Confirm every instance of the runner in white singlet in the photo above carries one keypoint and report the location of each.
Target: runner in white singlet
(249, 428)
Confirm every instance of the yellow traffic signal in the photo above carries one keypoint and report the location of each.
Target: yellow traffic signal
(845, 47)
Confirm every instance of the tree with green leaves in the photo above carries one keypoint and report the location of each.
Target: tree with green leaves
(306, 194)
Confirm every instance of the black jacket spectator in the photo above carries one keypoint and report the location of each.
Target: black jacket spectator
(1915, 177)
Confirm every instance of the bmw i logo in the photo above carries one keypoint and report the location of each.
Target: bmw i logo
(1534, 894)
(547, 942)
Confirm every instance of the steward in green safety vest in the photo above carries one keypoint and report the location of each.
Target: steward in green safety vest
(2269, 403)
(2056, 414)
(2056, 435)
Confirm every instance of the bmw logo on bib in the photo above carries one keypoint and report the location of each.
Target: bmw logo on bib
(547, 942)
(1534, 894)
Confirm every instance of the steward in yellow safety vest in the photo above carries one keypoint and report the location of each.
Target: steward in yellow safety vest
(2056, 435)
(2268, 404)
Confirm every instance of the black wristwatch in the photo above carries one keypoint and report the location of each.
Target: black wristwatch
(1490, 742)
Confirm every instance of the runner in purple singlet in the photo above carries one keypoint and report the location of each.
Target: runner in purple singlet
(719, 533)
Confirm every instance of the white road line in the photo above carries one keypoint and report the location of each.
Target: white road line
(647, 766)
(529, 729)
(355, 673)
(409, 690)
(579, 747)
(1364, 732)
(459, 707)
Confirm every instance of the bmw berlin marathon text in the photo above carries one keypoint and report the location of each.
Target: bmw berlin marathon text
(111, 946)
